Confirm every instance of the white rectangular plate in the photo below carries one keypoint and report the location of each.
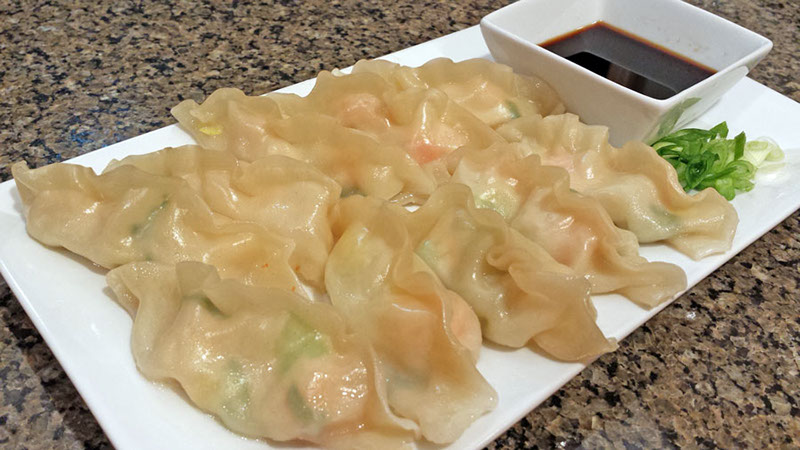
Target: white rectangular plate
(69, 303)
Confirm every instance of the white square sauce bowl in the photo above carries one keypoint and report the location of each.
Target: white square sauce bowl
(729, 51)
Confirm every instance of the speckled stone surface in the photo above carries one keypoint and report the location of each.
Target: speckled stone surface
(718, 368)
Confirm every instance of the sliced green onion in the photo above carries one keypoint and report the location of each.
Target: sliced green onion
(512, 109)
(299, 340)
(706, 158)
(761, 151)
(235, 391)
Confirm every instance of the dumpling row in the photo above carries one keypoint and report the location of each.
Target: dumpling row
(274, 274)
(393, 358)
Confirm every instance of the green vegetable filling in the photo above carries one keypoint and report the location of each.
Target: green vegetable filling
(207, 304)
(299, 340)
(211, 130)
(665, 218)
(497, 200)
(706, 158)
(427, 252)
(512, 109)
(140, 228)
(351, 190)
(235, 392)
(299, 407)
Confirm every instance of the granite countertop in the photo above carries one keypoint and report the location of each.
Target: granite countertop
(718, 368)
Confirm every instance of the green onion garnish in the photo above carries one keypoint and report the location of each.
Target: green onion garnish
(706, 158)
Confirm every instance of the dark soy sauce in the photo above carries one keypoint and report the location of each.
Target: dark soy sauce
(629, 60)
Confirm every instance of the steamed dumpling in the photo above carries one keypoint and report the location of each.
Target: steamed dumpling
(575, 230)
(638, 188)
(425, 123)
(286, 196)
(254, 127)
(426, 338)
(490, 91)
(127, 215)
(519, 292)
(228, 120)
(265, 361)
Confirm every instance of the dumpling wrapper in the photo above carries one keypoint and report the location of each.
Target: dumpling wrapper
(518, 291)
(286, 196)
(638, 188)
(425, 337)
(254, 127)
(127, 215)
(489, 90)
(425, 123)
(424, 112)
(231, 121)
(575, 230)
(264, 361)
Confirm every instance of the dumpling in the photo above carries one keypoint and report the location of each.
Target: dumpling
(426, 338)
(287, 196)
(254, 127)
(265, 361)
(357, 160)
(518, 291)
(228, 120)
(190, 163)
(424, 122)
(356, 101)
(638, 188)
(127, 215)
(490, 91)
(575, 230)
